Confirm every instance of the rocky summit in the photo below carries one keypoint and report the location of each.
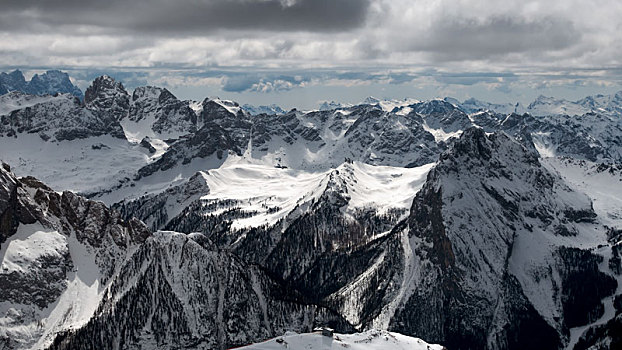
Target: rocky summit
(49, 83)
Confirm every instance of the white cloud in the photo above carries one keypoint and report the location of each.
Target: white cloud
(450, 34)
(442, 45)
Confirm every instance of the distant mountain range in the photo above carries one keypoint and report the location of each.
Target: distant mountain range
(255, 110)
(49, 83)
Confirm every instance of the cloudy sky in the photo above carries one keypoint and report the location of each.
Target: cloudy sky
(300, 52)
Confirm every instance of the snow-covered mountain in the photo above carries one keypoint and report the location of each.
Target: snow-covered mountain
(108, 96)
(473, 105)
(49, 83)
(515, 195)
(471, 225)
(532, 248)
(546, 106)
(330, 105)
(180, 290)
(369, 340)
(58, 253)
(269, 109)
(168, 137)
(72, 267)
(58, 118)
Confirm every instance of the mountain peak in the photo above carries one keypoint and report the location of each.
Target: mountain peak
(16, 74)
(330, 105)
(542, 100)
(436, 106)
(492, 180)
(52, 82)
(101, 84)
(49, 83)
(475, 143)
(107, 94)
(370, 100)
(263, 109)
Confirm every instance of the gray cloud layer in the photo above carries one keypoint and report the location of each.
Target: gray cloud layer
(469, 38)
(187, 16)
(270, 46)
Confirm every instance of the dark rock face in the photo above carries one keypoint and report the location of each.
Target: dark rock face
(52, 82)
(154, 209)
(221, 132)
(256, 110)
(383, 139)
(38, 226)
(91, 222)
(106, 95)
(287, 127)
(145, 142)
(173, 289)
(46, 281)
(169, 115)
(13, 81)
(440, 114)
(583, 286)
(526, 327)
(469, 295)
(441, 310)
(61, 118)
(49, 83)
(237, 124)
(592, 136)
(210, 140)
(42, 285)
(13, 209)
(224, 303)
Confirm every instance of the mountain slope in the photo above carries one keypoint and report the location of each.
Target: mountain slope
(157, 113)
(73, 268)
(57, 251)
(393, 215)
(179, 290)
(493, 284)
(58, 119)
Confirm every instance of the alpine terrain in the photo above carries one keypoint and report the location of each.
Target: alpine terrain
(132, 219)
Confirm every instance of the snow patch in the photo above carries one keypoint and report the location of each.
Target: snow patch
(440, 134)
(28, 245)
(369, 340)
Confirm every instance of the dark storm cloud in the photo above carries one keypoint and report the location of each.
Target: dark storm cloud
(455, 39)
(186, 16)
